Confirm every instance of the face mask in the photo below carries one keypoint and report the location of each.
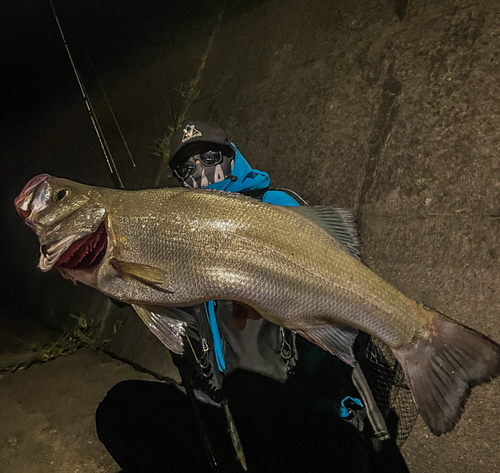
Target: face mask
(204, 169)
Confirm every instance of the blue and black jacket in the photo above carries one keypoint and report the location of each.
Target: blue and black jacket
(248, 181)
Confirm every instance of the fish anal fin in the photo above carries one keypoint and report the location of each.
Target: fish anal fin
(168, 330)
(442, 370)
(338, 340)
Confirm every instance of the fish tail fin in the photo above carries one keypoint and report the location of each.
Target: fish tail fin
(442, 370)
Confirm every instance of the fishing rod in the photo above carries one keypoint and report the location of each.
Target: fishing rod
(108, 103)
(115, 175)
(181, 365)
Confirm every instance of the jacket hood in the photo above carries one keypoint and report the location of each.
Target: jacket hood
(243, 178)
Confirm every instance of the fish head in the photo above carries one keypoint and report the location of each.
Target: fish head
(69, 221)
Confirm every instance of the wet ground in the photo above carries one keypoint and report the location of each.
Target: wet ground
(47, 415)
(47, 411)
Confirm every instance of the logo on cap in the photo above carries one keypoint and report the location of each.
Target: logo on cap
(190, 132)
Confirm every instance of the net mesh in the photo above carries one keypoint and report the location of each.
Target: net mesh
(390, 391)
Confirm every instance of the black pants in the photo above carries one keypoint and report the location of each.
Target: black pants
(149, 427)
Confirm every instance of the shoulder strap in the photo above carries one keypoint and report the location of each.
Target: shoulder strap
(291, 193)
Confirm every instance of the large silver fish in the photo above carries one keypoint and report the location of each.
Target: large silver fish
(297, 267)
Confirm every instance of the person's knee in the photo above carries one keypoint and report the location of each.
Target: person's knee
(129, 401)
(112, 409)
(120, 391)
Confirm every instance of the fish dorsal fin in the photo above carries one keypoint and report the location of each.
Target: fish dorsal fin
(338, 340)
(338, 222)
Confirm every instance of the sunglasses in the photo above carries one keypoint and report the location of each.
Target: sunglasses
(207, 158)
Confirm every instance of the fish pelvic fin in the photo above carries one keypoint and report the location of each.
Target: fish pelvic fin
(144, 273)
(442, 370)
(169, 330)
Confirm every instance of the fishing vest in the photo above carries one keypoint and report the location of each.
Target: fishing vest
(220, 349)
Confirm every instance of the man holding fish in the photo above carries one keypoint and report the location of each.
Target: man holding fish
(296, 267)
(232, 337)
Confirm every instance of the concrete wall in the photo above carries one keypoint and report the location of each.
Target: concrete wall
(391, 108)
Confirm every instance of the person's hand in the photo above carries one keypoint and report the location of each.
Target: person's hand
(241, 313)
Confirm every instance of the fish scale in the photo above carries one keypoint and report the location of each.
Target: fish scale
(283, 261)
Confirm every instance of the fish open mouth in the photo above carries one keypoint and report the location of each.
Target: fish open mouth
(85, 253)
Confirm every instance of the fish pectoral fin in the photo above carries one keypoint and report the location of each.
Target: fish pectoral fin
(338, 340)
(144, 273)
(170, 331)
(441, 370)
(338, 222)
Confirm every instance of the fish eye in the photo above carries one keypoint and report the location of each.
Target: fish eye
(61, 194)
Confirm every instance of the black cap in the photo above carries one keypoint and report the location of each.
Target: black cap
(194, 137)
